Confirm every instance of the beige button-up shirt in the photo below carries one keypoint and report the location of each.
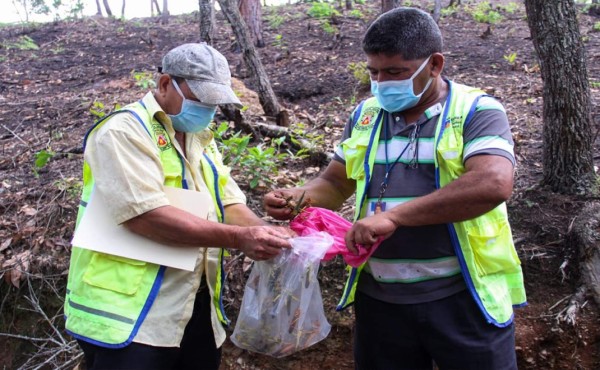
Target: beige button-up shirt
(127, 170)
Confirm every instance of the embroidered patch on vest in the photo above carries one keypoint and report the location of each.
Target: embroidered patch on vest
(367, 119)
(162, 139)
(456, 121)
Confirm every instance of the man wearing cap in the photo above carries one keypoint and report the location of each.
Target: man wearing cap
(130, 314)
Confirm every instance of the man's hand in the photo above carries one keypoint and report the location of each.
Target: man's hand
(369, 230)
(261, 242)
(280, 204)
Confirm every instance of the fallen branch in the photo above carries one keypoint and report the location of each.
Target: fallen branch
(577, 301)
(15, 135)
(260, 130)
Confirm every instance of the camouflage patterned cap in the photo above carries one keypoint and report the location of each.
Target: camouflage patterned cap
(205, 70)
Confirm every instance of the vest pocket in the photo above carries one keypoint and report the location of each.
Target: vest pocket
(354, 154)
(493, 248)
(451, 161)
(114, 273)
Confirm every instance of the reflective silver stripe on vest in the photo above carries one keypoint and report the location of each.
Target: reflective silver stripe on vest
(97, 312)
(412, 271)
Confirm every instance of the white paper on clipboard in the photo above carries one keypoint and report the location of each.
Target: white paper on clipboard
(97, 231)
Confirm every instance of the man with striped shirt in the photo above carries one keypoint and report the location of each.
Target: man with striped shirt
(431, 162)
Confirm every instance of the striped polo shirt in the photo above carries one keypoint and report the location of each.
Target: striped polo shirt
(418, 264)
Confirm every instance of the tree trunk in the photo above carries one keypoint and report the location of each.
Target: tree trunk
(252, 15)
(123, 10)
(107, 8)
(207, 20)
(98, 8)
(153, 5)
(567, 154)
(267, 97)
(594, 8)
(437, 8)
(165, 12)
(389, 5)
(348, 4)
(584, 236)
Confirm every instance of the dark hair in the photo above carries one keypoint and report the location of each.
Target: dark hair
(409, 32)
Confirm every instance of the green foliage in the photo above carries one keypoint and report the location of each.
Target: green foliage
(322, 10)
(41, 160)
(448, 11)
(483, 13)
(509, 8)
(259, 163)
(301, 136)
(511, 58)
(356, 14)
(360, 73)
(279, 42)
(145, 80)
(23, 43)
(328, 28)
(71, 186)
(73, 8)
(596, 27)
(275, 20)
(595, 84)
(233, 146)
(99, 110)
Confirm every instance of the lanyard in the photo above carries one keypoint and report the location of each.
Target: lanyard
(413, 138)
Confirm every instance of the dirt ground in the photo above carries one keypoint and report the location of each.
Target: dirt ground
(46, 96)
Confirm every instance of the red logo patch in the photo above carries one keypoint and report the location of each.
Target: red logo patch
(162, 141)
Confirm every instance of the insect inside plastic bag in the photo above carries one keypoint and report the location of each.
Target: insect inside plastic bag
(282, 308)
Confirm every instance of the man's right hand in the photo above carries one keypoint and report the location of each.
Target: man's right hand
(261, 242)
(277, 203)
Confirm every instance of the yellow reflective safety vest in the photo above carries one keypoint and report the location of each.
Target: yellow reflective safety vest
(484, 245)
(108, 297)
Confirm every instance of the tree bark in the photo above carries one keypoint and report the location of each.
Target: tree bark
(252, 14)
(348, 4)
(154, 4)
(267, 97)
(98, 8)
(389, 5)
(165, 12)
(437, 9)
(123, 10)
(568, 165)
(207, 20)
(107, 8)
(584, 236)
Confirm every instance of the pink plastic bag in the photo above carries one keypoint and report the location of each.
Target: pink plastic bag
(315, 219)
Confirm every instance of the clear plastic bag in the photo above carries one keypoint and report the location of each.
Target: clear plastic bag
(282, 308)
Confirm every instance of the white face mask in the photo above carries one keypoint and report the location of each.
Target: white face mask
(399, 95)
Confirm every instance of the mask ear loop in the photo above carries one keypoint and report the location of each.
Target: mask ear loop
(419, 71)
(193, 102)
(177, 88)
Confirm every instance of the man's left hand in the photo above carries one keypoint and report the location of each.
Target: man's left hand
(369, 230)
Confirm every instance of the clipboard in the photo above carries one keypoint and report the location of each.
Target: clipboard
(98, 231)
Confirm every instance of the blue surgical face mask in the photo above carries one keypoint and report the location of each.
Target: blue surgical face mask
(398, 95)
(194, 116)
